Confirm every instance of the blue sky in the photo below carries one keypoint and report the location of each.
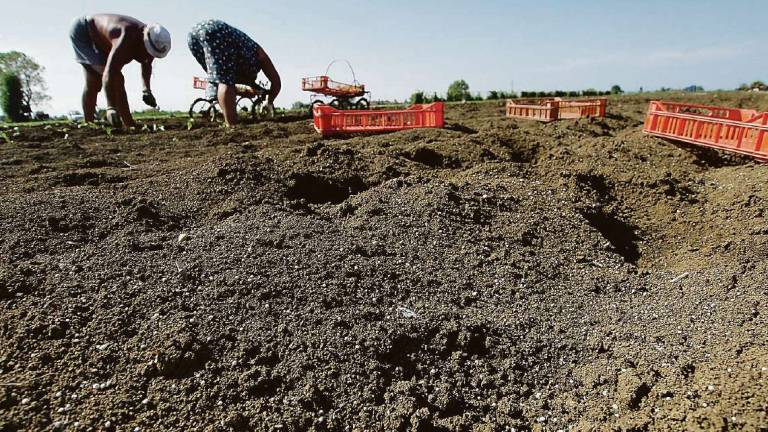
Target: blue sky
(398, 46)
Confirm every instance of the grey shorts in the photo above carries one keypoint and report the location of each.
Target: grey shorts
(86, 52)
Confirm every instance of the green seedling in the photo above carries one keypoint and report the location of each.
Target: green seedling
(190, 123)
(5, 136)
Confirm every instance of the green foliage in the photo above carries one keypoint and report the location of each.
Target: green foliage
(500, 94)
(458, 91)
(616, 89)
(759, 85)
(12, 97)
(418, 97)
(31, 75)
(5, 137)
(421, 97)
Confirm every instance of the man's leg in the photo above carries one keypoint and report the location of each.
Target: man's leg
(91, 92)
(120, 101)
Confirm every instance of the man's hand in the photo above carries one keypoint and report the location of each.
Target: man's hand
(149, 99)
(113, 118)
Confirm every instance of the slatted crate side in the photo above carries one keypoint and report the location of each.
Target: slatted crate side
(711, 127)
(330, 121)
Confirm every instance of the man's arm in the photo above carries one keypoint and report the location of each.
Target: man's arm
(146, 77)
(114, 82)
(269, 70)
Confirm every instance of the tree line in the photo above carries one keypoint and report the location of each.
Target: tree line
(459, 91)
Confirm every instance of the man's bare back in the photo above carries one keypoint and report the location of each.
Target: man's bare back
(110, 30)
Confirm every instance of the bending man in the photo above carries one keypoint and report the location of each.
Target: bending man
(105, 43)
(230, 57)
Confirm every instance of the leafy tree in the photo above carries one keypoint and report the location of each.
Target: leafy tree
(759, 85)
(616, 89)
(12, 97)
(31, 75)
(458, 91)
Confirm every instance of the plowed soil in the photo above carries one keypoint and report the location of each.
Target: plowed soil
(494, 275)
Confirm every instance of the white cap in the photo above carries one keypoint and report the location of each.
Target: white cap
(157, 40)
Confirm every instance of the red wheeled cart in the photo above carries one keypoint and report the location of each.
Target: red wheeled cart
(249, 100)
(342, 96)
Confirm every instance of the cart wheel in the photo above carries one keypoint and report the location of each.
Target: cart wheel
(363, 104)
(336, 104)
(245, 105)
(315, 104)
(257, 105)
(203, 109)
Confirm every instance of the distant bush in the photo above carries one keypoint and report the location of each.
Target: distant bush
(418, 97)
(458, 91)
(616, 89)
(12, 97)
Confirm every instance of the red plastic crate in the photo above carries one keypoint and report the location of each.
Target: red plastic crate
(736, 130)
(547, 110)
(326, 86)
(330, 121)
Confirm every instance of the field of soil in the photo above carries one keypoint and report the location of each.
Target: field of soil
(495, 275)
